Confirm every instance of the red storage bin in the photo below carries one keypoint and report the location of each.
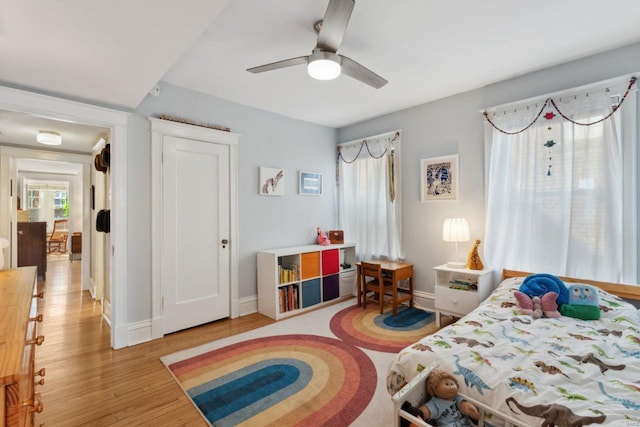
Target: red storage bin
(330, 262)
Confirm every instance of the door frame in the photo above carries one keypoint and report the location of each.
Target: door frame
(72, 111)
(8, 173)
(159, 128)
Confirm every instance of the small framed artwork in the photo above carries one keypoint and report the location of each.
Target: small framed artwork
(271, 181)
(310, 183)
(439, 178)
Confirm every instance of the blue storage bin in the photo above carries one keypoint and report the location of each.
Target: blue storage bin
(310, 292)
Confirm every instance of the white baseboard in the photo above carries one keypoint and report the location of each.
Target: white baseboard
(92, 288)
(248, 305)
(139, 332)
(106, 311)
(424, 300)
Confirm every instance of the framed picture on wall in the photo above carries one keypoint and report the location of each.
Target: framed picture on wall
(310, 183)
(271, 181)
(439, 178)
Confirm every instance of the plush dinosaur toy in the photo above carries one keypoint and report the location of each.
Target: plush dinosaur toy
(474, 262)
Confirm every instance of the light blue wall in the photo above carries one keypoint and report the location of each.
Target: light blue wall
(455, 125)
(451, 125)
(264, 222)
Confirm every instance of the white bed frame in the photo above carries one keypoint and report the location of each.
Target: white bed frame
(415, 391)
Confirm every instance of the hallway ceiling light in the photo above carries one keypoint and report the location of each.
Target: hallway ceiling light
(48, 137)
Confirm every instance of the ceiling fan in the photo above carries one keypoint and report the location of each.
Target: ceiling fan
(325, 63)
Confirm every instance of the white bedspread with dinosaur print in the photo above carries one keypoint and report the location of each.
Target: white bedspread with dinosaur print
(544, 372)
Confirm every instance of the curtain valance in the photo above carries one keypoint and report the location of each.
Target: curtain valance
(374, 146)
(523, 117)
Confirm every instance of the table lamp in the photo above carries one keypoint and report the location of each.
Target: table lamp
(455, 230)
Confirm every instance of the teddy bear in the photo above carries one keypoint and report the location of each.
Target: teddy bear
(446, 407)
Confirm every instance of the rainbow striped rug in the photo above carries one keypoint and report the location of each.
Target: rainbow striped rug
(292, 372)
(382, 332)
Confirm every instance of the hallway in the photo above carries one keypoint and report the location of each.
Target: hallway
(89, 384)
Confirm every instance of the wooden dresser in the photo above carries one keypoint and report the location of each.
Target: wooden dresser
(18, 339)
(32, 245)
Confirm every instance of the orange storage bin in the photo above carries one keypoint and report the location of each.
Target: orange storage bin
(310, 265)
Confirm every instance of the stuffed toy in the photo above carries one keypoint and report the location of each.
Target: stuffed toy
(536, 285)
(322, 237)
(536, 306)
(446, 407)
(473, 260)
(583, 303)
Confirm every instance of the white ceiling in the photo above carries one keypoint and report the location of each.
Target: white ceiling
(48, 167)
(114, 52)
(21, 129)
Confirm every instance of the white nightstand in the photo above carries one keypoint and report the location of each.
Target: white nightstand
(458, 302)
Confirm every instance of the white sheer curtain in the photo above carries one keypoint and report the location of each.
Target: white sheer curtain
(369, 209)
(557, 209)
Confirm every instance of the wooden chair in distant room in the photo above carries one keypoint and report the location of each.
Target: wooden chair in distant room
(375, 287)
(57, 240)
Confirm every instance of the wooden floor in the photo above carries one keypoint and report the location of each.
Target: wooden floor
(88, 384)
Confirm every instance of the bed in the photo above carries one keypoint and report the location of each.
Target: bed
(534, 372)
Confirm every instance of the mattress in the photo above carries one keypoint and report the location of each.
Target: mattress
(546, 371)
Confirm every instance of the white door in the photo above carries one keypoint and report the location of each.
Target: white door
(195, 249)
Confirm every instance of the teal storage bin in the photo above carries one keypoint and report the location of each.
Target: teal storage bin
(310, 292)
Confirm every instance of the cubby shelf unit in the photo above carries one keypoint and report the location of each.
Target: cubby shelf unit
(296, 279)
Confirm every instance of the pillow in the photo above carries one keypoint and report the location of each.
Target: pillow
(537, 285)
(583, 303)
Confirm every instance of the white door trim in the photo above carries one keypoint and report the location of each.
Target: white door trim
(85, 160)
(158, 129)
(117, 121)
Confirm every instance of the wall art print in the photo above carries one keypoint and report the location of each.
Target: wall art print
(310, 183)
(439, 178)
(271, 181)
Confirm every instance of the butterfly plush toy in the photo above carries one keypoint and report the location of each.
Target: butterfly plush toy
(537, 306)
(540, 294)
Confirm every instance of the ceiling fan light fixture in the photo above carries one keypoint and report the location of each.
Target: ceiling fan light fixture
(324, 65)
(48, 137)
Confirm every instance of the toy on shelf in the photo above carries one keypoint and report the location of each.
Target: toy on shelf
(322, 237)
(474, 262)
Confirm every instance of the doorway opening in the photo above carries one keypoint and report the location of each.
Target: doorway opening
(25, 109)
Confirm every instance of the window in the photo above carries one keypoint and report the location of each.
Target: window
(47, 200)
(562, 207)
(60, 204)
(59, 199)
(369, 212)
(33, 199)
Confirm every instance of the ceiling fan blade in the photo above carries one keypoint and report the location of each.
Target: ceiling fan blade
(280, 64)
(352, 69)
(334, 25)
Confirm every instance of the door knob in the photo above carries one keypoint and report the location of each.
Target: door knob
(224, 242)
